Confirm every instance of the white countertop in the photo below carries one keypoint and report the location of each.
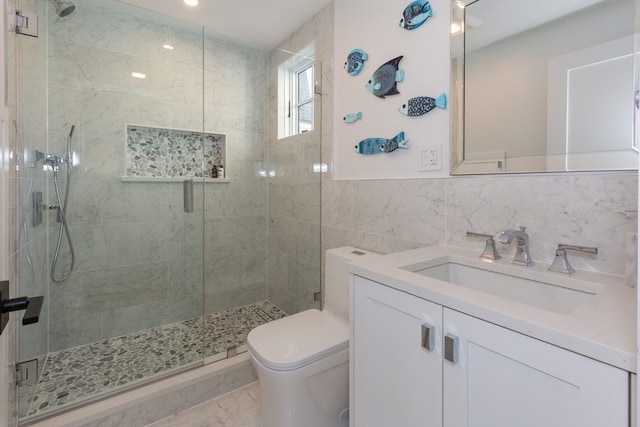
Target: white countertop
(603, 328)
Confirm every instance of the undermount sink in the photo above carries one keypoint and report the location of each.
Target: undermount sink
(546, 291)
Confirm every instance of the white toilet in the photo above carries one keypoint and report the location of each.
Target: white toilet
(303, 360)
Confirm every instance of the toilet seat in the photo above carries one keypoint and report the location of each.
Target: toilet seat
(296, 341)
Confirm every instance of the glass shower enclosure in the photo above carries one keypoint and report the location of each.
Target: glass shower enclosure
(173, 238)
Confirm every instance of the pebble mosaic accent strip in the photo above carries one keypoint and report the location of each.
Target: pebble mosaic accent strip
(153, 152)
(75, 375)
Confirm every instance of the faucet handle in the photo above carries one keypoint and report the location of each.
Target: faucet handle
(473, 234)
(561, 262)
(490, 252)
(586, 249)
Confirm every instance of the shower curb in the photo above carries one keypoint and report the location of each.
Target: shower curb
(160, 399)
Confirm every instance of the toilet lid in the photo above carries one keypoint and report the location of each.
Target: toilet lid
(296, 341)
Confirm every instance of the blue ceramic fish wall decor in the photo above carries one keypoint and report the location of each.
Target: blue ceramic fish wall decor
(381, 145)
(420, 105)
(352, 117)
(416, 14)
(355, 61)
(384, 80)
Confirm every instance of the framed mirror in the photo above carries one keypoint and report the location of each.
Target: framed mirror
(543, 86)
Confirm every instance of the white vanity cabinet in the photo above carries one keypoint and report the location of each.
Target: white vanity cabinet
(497, 377)
(503, 379)
(397, 382)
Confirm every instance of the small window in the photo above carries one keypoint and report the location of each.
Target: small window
(295, 96)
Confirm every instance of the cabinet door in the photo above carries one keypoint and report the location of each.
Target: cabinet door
(505, 379)
(395, 381)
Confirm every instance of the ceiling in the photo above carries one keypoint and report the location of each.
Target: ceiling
(261, 22)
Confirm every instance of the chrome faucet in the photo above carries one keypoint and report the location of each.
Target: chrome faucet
(490, 253)
(561, 262)
(522, 255)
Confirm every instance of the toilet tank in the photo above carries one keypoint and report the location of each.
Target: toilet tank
(336, 278)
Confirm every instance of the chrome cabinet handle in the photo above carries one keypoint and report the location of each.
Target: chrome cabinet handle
(451, 348)
(187, 193)
(428, 336)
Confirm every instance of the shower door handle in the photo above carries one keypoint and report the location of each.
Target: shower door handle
(187, 192)
(32, 306)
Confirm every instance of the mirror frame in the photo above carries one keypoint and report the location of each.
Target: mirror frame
(496, 163)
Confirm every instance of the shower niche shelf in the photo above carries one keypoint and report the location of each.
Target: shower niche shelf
(170, 179)
(156, 154)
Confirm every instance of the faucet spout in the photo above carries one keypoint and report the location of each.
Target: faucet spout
(507, 236)
(522, 255)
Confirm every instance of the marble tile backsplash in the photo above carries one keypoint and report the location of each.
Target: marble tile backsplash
(579, 209)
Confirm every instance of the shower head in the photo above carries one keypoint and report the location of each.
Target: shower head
(64, 8)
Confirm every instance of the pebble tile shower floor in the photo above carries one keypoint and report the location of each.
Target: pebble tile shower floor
(91, 370)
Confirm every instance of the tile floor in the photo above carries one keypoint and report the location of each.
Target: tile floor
(78, 374)
(240, 408)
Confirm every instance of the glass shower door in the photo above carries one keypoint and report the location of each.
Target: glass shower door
(262, 222)
(130, 85)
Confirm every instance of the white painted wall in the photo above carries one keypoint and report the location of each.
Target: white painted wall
(373, 27)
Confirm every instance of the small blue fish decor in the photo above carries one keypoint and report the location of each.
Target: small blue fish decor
(381, 145)
(355, 61)
(416, 14)
(420, 105)
(352, 117)
(384, 80)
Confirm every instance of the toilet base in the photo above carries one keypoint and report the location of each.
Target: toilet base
(316, 395)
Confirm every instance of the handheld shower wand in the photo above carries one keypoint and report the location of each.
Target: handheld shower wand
(62, 209)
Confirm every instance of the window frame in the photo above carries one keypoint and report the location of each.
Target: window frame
(289, 105)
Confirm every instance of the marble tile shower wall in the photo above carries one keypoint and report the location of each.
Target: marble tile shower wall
(236, 213)
(294, 223)
(389, 216)
(139, 256)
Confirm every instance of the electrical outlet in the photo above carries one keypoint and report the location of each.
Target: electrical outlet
(430, 158)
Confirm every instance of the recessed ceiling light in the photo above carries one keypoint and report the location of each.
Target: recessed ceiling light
(138, 75)
(191, 2)
(167, 46)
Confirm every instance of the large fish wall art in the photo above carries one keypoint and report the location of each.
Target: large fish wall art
(381, 145)
(385, 79)
(416, 14)
(421, 105)
(355, 61)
